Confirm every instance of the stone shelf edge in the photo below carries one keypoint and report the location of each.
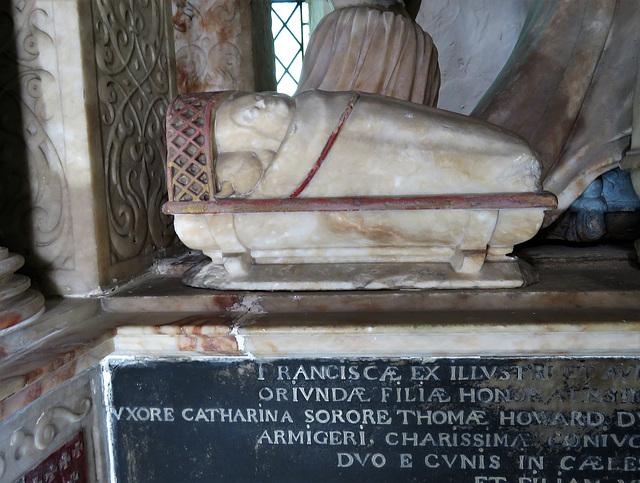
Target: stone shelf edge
(584, 306)
(24, 379)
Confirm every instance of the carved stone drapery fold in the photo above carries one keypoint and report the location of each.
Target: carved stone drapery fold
(568, 90)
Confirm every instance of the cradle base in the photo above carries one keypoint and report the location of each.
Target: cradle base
(361, 276)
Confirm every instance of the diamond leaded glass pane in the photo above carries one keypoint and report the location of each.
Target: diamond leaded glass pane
(290, 29)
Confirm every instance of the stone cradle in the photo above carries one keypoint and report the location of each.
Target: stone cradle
(457, 233)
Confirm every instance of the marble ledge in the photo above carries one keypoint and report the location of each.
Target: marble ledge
(367, 340)
(62, 315)
(596, 278)
(591, 309)
(20, 390)
(24, 377)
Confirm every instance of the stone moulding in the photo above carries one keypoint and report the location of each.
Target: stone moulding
(486, 228)
(45, 428)
(500, 201)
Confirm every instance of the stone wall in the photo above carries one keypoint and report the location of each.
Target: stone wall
(474, 40)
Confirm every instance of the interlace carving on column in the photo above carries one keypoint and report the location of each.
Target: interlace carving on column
(131, 49)
(34, 198)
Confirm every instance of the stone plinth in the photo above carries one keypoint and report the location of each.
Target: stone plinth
(582, 319)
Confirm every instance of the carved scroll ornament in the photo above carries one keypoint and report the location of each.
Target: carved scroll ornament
(134, 85)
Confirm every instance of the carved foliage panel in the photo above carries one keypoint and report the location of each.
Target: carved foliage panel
(132, 52)
(34, 210)
(213, 45)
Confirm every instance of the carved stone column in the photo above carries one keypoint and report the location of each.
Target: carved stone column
(18, 303)
(223, 45)
(85, 85)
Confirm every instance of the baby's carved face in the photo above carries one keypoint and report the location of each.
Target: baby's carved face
(253, 122)
(260, 111)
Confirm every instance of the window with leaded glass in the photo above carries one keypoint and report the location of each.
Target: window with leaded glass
(290, 27)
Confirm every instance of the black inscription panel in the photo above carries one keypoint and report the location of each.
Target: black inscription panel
(322, 420)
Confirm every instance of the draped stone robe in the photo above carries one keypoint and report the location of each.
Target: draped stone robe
(388, 147)
(372, 50)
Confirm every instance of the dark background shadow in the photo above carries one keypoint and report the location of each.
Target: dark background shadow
(16, 205)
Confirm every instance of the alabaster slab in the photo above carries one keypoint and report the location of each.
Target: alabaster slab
(359, 276)
(358, 250)
(347, 191)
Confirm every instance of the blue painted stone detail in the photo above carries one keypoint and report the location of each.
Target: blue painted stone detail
(618, 191)
(610, 193)
(589, 209)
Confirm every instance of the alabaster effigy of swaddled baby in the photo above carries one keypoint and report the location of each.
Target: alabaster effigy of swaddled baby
(346, 190)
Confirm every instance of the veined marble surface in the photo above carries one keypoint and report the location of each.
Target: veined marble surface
(212, 41)
(391, 339)
(587, 303)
